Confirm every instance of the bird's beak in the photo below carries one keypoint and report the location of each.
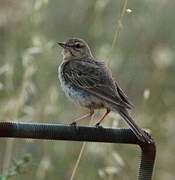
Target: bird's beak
(62, 44)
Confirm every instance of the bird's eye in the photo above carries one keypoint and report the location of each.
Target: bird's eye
(77, 45)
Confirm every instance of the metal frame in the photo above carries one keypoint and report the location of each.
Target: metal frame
(83, 133)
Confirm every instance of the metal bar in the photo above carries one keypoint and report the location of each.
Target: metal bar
(83, 133)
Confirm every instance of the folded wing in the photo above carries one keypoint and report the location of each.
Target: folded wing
(93, 77)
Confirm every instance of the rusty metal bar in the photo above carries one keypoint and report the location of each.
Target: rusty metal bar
(83, 133)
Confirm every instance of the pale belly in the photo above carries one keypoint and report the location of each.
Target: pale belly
(81, 97)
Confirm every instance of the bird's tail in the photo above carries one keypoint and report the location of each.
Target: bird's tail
(140, 134)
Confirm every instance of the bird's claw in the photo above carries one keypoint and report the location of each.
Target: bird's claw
(73, 123)
(97, 125)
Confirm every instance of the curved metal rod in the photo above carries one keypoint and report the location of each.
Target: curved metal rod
(83, 133)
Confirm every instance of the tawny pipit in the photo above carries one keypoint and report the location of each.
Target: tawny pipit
(89, 83)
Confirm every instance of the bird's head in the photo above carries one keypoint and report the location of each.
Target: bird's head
(75, 48)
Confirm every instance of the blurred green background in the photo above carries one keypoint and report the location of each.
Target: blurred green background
(142, 60)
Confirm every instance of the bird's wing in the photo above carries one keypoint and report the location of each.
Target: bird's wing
(122, 95)
(93, 77)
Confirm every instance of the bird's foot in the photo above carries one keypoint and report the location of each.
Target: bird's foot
(73, 123)
(97, 125)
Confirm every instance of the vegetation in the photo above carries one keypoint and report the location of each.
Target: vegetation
(142, 59)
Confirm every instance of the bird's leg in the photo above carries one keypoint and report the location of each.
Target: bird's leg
(83, 117)
(102, 118)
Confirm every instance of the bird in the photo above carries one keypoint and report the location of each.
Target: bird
(89, 83)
